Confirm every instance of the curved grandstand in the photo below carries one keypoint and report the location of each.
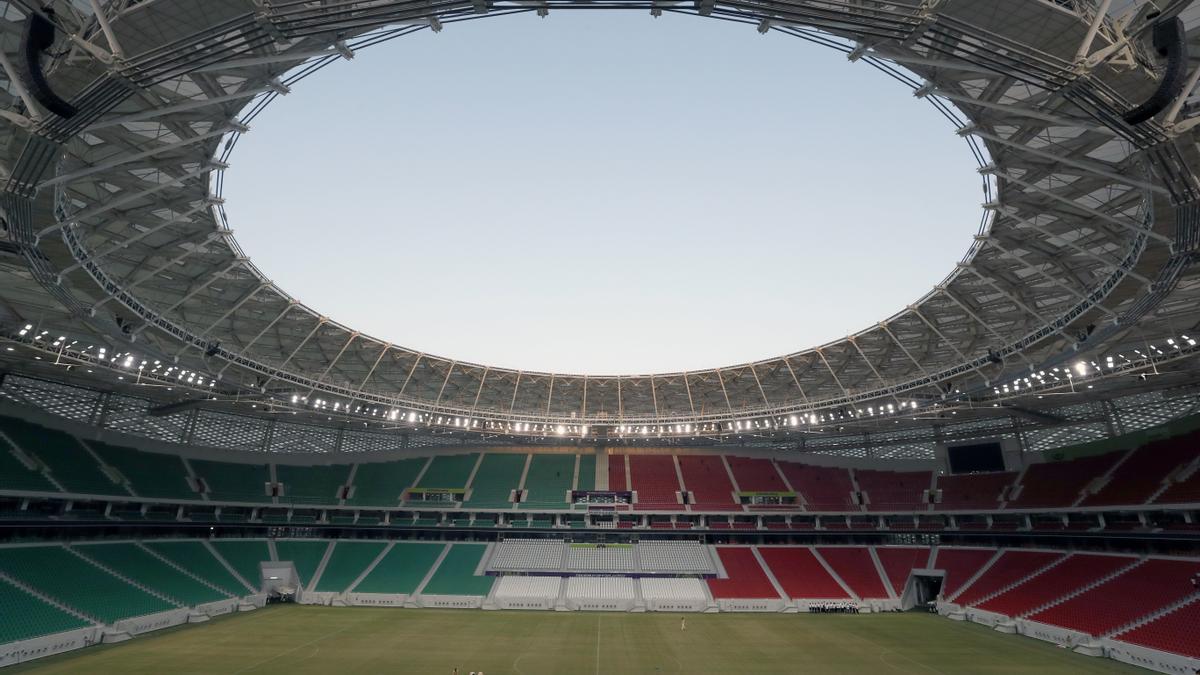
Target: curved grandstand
(1017, 448)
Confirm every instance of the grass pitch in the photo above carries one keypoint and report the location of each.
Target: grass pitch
(298, 640)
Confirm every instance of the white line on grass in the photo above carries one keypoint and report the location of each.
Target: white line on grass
(289, 651)
(597, 644)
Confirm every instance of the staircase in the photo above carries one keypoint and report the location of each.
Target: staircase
(1157, 614)
(1022, 580)
(49, 600)
(433, 570)
(770, 575)
(229, 568)
(836, 577)
(1098, 484)
(316, 578)
(982, 570)
(887, 583)
(365, 572)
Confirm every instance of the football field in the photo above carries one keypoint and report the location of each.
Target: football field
(297, 640)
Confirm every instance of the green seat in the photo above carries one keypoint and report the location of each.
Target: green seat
(134, 563)
(244, 556)
(231, 482)
(381, 483)
(347, 562)
(499, 474)
(402, 569)
(311, 484)
(305, 555)
(150, 474)
(549, 479)
(24, 616)
(195, 557)
(456, 574)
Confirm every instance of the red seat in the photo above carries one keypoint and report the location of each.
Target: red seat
(800, 573)
(746, 577)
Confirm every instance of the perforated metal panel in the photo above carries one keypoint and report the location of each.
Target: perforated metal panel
(74, 403)
(303, 438)
(1040, 440)
(128, 415)
(233, 432)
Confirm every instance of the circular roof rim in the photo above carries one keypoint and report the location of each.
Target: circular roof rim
(830, 40)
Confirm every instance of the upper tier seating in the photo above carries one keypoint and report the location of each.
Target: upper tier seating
(456, 574)
(600, 558)
(311, 484)
(527, 554)
(973, 491)
(800, 574)
(549, 479)
(1075, 572)
(959, 564)
(305, 555)
(1140, 476)
(1059, 484)
(1173, 632)
(135, 564)
(587, 472)
(150, 474)
(674, 589)
(894, 490)
(195, 557)
(654, 479)
(16, 476)
(528, 588)
(382, 483)
(823, 488)
(56, 572)
(1183, 492)
(746, 577)
(1121, 600)
(754, 474)
(1012, 566)
(24, 616)
(600, 588)
(499, 474)
(402, 569)
(348, 560)
(231, 482)
(244, 556)
(449, 471)
(69, 462)
(707, 479)
(899, 562)
(675, 556)
(855, 566)
(618, 478)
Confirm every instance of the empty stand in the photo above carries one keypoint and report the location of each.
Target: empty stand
(855, 567)
(195, 558)
(311, 484)
(135, 564)
(1059, 484)
(960, 564)
(974, 491)
(618, 479)
(674, 556)
(402, 569)
(1186, 491)
(754, 474)
(1075, 572)
(707, 479)
(675, 590)
(150, 474)
(17, 476)
(800, 574)
(449, 471)
(24, 616)
(1174, 632)
(746, 577)
(549, 479)
(305, 555)
(382, 483)
(899, 562)
(77, 583)
(347, 562)
(600, 590)
(525, 588)
(600, 557)
(69, 462)
(1123, 599)
(587, 473)
(231, 482)
(654, 480)
(456, 574)
(244, 556)
(498, 475)
(823, 488)
(518, 555)
(1145, 472)
(1012, 566)
(894, 490)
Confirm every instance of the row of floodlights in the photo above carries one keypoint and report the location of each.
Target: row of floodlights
(1083, 368)
(122, 360)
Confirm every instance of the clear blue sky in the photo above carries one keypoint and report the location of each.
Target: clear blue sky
(602, 192)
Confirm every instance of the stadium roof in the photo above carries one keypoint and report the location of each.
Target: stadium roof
(117, 252)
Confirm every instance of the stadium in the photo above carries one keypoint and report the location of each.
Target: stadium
(201, 473)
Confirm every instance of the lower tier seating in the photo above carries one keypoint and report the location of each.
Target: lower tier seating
(681, 556)
(195, 557)
(1125, 598)
(855, 566)
(600, 558)
(347, 562)
(135, 564)
(24, 616)
(959, 565)
(746, 577)
(800, 574)
(675, 590)
(402, 569)
(244, 556)
(57, 573)
(305, 555)
(1075, 572)
(456, 574)
(593, 589)
(899, 562)
(527, 554)
(1011, 567)
(528, 588)
(1174, 632)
